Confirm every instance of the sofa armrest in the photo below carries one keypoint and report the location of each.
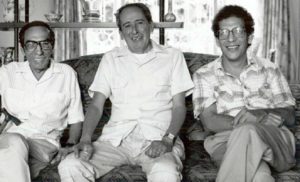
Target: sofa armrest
(295, 88)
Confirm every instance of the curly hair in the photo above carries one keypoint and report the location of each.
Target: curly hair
(36, 24)
(142, 6)
(233, 11)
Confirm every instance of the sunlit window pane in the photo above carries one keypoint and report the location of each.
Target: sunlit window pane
(197, 15)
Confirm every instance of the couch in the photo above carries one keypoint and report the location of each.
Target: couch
(198, 166)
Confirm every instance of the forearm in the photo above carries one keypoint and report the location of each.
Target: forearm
(287, 114)
(214, 122)
(178, 116)
(92, 118)
(74, 133)
(218, 123)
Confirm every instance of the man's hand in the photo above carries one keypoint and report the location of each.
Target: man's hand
(83, 150)
(61, 154)
(157, 148)
(248, 116)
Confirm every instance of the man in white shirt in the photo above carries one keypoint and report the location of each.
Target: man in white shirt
(45, 97)
(146, 84)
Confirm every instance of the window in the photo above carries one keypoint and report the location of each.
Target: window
(196, 36)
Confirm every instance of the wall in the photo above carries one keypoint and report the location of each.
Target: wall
(36, 12)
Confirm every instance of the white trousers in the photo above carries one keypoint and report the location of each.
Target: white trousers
(245, 153)
(15, 165)
(166, 168)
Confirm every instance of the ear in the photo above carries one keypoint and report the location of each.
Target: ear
(250, 38)
(23, 50)
(217, 41)
(121, 35)
(151, 27)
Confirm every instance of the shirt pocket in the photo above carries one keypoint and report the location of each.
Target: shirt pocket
(265, 91)
(163, 88)
(119, 89)
(223, 93)
(14, 100)
(261, 96)
(54, 105)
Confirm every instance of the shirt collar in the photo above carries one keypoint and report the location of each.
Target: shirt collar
(25, 68)
(252, 63)
(124, 50)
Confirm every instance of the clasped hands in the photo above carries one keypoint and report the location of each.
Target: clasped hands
(159, 147)
(249, 116)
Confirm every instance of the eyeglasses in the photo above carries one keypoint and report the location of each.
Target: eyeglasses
(237, 32)
(32, 45)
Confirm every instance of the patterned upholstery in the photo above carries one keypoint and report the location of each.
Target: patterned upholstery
(198, 166)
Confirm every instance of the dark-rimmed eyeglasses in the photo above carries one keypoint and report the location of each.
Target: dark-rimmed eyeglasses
(31, 45)
(237, 32)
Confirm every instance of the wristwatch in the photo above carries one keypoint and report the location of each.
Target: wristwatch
(169, 137)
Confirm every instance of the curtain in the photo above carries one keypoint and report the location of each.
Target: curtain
(294, 6)
(69, 42)
(276, 34)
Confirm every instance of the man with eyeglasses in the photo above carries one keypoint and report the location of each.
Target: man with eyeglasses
(45, 97)
(244, 102)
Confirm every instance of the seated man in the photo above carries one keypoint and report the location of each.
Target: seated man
(245, 102)
(146, 84)
(45, 97)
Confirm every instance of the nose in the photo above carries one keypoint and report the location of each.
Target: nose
(39, 49)
(231, 37)
(134, 28)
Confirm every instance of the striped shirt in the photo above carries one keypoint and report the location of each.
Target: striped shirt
(260, 85)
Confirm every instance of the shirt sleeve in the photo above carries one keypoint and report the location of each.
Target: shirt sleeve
(101, 83)
(203, 94)
(75, 110)
(181, 78)
(282, 95)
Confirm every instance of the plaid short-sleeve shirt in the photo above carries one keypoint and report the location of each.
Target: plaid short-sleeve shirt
(260, 85)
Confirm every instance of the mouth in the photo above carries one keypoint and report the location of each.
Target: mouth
(136, 37)
(39, 59)
(232, 47)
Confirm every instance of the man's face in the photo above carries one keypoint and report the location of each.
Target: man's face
(136, 30)
(233, 39)
(37, 48)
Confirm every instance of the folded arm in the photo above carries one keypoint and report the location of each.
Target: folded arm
(214, 122)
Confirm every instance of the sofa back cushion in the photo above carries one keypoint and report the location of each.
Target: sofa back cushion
(86, 67)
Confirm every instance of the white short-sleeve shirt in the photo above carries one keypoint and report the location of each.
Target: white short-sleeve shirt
(44, 106)
(141, 91)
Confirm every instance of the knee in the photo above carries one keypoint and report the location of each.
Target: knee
(69, 163)
(262, 176)
(74, 169)
(15, 146)
(14, 141)
(165, 171)
(164, 177)
(245, 129)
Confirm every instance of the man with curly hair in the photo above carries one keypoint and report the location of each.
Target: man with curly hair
(245, 102)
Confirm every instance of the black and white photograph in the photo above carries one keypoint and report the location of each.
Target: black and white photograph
(149, 91)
